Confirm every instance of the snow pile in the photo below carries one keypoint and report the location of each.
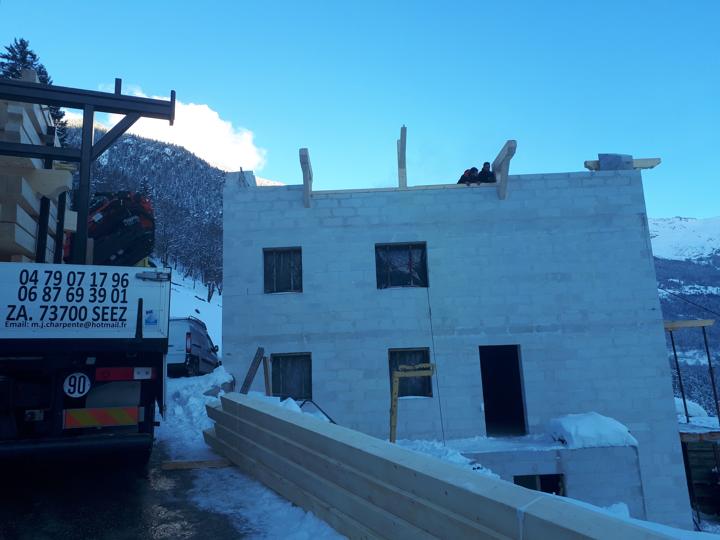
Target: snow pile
(590, 430)
(186, 417)
(445, 453)
(189, 299)
(255, 511)
(289, 404)
(681, 238)
(695, 410)
(621, 511)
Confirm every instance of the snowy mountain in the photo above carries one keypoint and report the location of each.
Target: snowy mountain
(681, 238)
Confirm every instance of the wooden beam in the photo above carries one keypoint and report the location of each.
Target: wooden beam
(188, 465)
(698, 323)
(643, 163)
(501, 167)
(402, 162)
(691, 436)
(307, 176)
(252, 370)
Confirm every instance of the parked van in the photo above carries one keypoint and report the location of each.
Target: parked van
(190, 350)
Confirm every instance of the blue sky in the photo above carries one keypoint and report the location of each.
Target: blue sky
(567, 79)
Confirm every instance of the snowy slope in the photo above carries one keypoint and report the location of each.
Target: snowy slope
(189, 298)
(680, 238)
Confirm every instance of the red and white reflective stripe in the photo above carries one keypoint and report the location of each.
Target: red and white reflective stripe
(124, 374)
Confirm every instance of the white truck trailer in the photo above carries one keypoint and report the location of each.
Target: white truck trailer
(82, 351)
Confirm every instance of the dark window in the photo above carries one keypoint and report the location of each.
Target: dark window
(401, 265)
(411, 386)
(292, 375)
(502, 390)
(283, 270)
(547, 483)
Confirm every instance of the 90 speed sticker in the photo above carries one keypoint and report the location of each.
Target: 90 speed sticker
(76, 385)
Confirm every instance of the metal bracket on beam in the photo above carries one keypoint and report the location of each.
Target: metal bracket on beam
(111, 136)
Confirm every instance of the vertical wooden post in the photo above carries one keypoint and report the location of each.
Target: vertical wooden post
(307, 176)
(266, 373)
(394, 406)
(402, 162)
(712, 373)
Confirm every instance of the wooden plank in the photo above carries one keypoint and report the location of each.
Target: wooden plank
(642, 163)
(252, 371)
(191, 465)
(700, 437)
(266, 374)
(15, 188)
(694, 323)
(14, 240)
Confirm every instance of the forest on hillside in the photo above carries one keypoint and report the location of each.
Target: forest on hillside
(186, 194)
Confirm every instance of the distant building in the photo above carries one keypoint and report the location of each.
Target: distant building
(534, 298)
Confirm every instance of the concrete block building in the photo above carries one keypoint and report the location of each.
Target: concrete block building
(534, 298)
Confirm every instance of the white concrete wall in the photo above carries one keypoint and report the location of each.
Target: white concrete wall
(600, 476)
(562, 267)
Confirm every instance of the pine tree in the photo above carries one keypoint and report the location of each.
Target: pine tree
(18, 56)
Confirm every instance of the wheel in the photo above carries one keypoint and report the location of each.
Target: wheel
(193, 369)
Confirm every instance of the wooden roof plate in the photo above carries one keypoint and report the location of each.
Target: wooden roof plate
(695, 323)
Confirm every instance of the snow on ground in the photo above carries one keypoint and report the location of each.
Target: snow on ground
(590, 430)
(189, 299)
(256, 511)
(684, 238)
(185, 416)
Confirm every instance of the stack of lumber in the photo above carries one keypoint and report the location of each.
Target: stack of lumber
(24, 182)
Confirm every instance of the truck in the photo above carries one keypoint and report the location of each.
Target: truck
(82, 344)
(82, 359)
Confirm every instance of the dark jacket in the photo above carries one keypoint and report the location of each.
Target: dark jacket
(468, 177)
(485, 177)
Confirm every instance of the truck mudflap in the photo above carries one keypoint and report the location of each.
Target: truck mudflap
(76, 447)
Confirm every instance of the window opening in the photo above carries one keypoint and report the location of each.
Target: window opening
(283, 270)
(401, 265)
(292, 375)
(547, 483)
(411, 386)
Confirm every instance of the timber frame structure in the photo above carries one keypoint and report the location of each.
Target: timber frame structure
(133, 108)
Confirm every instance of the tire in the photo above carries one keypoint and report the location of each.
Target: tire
(193, 368)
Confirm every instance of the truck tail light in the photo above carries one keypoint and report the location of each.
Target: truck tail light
(124, 374)
(188, 342)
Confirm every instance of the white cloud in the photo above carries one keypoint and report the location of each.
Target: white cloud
(199, 129)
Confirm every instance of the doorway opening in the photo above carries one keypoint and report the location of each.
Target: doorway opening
(502, 390)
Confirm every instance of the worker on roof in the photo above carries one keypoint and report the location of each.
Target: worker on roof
(485, 175)
(470, 176)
